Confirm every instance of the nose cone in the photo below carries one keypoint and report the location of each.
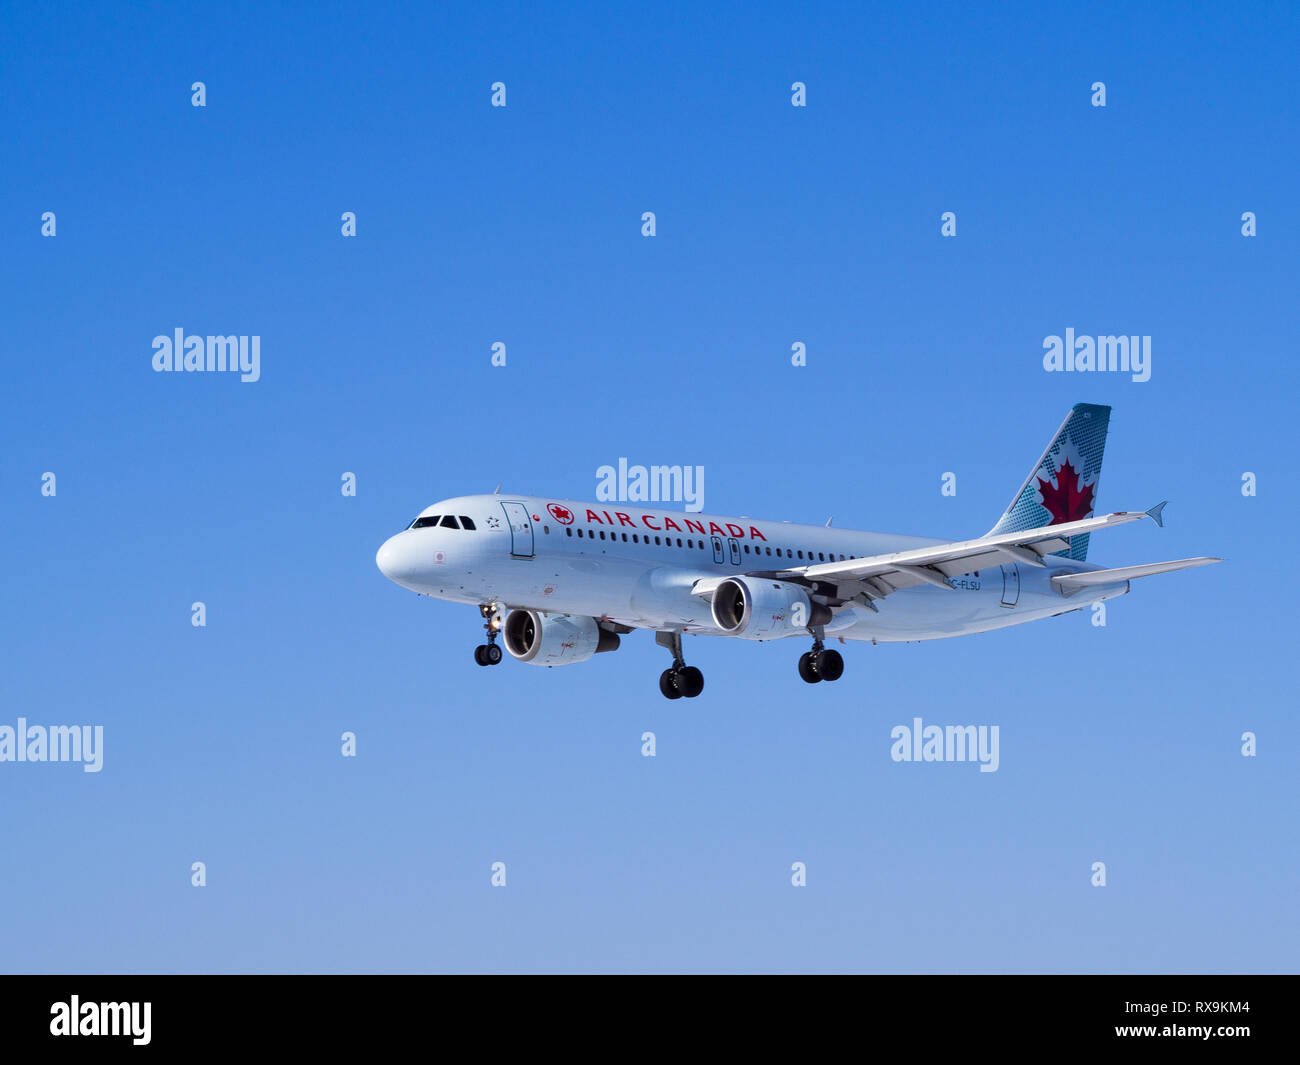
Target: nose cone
(395, 560)
(386, 557)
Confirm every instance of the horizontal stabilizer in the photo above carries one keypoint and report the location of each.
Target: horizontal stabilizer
(1069, 583)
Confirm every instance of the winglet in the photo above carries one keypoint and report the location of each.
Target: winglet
(1154, 513)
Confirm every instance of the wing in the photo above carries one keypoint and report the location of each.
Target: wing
(878, 575)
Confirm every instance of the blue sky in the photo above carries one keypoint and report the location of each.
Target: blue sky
(522, 225)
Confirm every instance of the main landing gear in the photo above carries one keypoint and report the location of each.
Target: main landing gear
(820, 664)
(680, 680)
(489, 654)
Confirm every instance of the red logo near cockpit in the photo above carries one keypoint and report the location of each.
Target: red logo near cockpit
(561, 514)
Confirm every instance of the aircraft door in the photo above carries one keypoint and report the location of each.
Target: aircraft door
(735, 551)
(521, 530)
(1011, 584)
(717, 550)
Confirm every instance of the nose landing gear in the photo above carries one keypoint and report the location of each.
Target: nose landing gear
(820, 664)
(489, 654)
(680, 680)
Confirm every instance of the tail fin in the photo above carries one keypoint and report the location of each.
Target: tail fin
(1062, 486)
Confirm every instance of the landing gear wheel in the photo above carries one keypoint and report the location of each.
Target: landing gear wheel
(829, 665)
(679, 681)
(808, 667)
(690, 681)
(489, 654)
(668, 684)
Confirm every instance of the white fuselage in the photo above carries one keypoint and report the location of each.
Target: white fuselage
(637, 567)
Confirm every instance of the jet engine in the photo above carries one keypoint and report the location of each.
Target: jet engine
(554, 639)
(757, 608)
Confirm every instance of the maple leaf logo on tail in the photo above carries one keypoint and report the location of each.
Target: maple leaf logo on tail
(1066, 500)
(1056, 482)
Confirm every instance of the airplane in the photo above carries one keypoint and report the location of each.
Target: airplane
(561, 581)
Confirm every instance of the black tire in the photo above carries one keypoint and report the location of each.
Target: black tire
(478, 655)
(830, 665)
(668, 685)
(492, 653)
(690, 681)
(807, 669)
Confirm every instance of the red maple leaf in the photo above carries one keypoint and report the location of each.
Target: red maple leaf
(1066, 501)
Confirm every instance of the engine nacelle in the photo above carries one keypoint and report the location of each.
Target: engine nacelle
(554, 639)
(758, 608)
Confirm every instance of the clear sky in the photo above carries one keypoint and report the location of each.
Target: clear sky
(522, 225)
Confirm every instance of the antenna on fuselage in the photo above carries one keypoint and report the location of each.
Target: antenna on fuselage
(497, 490)
(829, 520)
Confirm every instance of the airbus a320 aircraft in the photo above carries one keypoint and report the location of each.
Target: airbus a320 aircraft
(562, 580)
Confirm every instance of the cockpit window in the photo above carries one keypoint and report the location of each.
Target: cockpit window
(444, 521)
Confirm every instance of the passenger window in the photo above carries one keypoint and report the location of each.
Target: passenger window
(568, 532)
(546, 529)
(679, 541)
(821, 556)
(657, 541)
(747, 549)
(467, 523)
(602, 534)
(635, 538)
(801, 552)
(625, 538)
